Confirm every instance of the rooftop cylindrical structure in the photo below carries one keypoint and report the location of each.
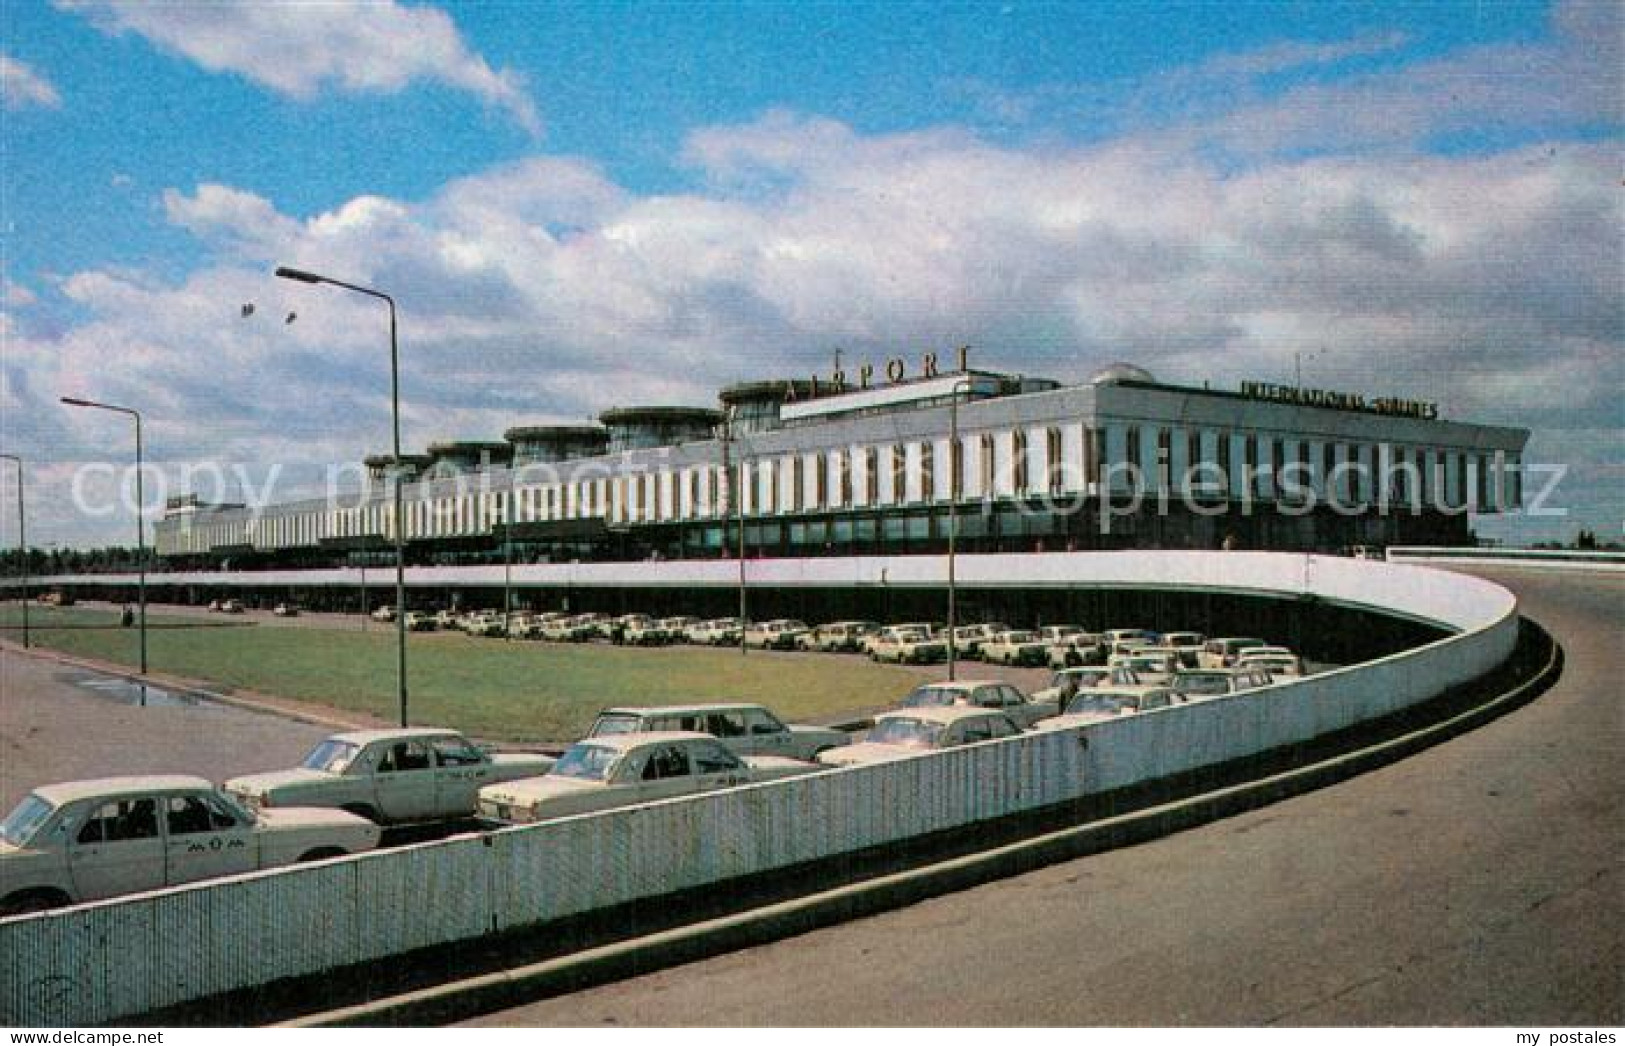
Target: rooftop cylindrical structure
(756, 403)
(412, 466)
(643, 428)
(464, 456)
(548, 444)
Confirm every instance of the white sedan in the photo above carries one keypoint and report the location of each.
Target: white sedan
(85, 840)
(992, 694)
(1099, 705)
(400, 776)
(898, 735)
(628, 769)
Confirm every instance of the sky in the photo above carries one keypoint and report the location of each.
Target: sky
(584, 205)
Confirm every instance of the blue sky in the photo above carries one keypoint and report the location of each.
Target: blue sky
(587, 203)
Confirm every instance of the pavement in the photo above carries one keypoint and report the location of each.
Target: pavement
(63, 723)
(1477, 883)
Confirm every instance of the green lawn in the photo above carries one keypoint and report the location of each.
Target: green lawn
(520, 691)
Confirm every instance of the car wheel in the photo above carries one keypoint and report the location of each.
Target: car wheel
(27, 901)
(321, 853)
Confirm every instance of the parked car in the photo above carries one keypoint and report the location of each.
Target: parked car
(868, 643)
(85, 840)
(399, 776)
(1103, 703)
(1181, 656)
(780, 634)
(1222, 653)
(1192, 640)
(577, 629)
(417, 622)
(1198, 684)
(1149, 667)
(722, 631)
(1079, 648)
(285, 610)
(968, 639)
(626, 769)
(1282, 665)
(981, 693)
(214, 605)
(898, 735)
(907, 646)
(1016, 647)
(384, 613)
(677, 628)
(231, 606)
(643, 630)
(1063, 685)
(446, 619)
(837, 636)
(743, 729)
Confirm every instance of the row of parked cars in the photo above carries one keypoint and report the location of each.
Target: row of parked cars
(82, 841)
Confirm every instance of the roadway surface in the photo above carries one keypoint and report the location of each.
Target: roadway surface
(1476, 883)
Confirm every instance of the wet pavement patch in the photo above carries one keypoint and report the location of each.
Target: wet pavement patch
(129, 692)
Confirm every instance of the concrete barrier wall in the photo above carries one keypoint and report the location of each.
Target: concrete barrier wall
(117, 958)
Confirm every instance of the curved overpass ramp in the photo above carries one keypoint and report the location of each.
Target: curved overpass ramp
(1477, 883)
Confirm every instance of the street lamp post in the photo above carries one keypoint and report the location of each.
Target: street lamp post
(22, 540)
(507, 560)
(301, 276)
(140, 526)
(956, 466)
(736, 490)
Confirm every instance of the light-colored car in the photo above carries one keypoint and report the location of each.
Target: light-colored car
(1222, 653)
(1103, 703)
(487, 624)
(285, 610)
(1181, 656)
(416, 622)
(1199, 684)
(85, 840)
(1279, 666)
(992, 694)
(744, 729)
(869, 642)
(386, 612)
(214, 605)
(899, 735)
(968, 639)
(446, 619)
(1151, 668)
(677, 628)
(577, 629)
(911, 646)
(648, 631)
(625, 769)
(720, 631)
(400, 776)
(231, 606)
(1184, 639)
(837, 636)
(1016, 647)
(779, 634)
(1077, 649)
(1064, 684)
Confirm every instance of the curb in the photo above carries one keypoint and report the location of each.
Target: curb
(529, 983)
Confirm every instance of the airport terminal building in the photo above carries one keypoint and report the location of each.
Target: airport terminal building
(900, 463)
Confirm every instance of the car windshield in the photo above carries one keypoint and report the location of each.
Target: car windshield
(332, 756)
(585, 762)
(610, 725)
(933, 697)
(24, 820)
(1094, 704)
(914, 733)
(1206, 684)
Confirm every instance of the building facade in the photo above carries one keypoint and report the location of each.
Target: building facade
(993, 462)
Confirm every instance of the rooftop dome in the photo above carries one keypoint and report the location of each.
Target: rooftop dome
(1117, 373)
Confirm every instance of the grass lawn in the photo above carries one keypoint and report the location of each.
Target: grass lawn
(518, 691)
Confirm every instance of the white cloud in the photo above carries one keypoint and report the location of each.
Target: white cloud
(300, 49)
(542, 290)
(21, 87)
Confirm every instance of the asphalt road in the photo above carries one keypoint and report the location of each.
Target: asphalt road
(1477, 883)
(59, 723)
